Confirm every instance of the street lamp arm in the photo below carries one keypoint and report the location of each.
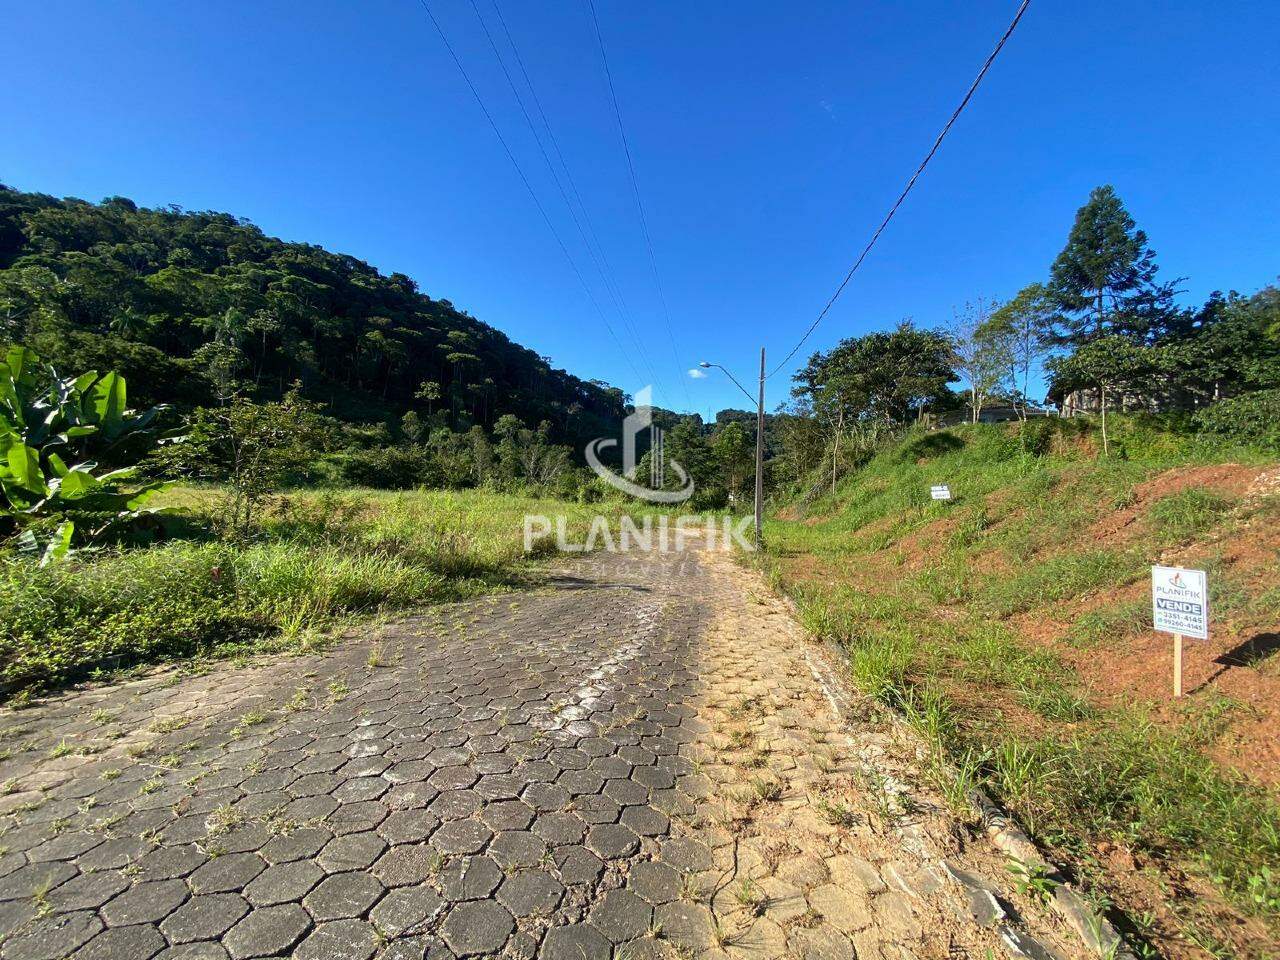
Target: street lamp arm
(744, 390)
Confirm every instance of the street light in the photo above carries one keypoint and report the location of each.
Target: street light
(759, 402)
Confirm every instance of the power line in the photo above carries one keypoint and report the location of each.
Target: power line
(629, 328)
(606, 269)
(910, 183)
(525, 180)
(635, 190)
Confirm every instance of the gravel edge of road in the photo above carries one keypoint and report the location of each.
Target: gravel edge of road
(1096, 932)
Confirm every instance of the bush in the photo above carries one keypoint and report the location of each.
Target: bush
(1252, 418)
(390, 468)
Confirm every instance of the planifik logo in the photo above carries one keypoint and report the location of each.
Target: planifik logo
(632, 427)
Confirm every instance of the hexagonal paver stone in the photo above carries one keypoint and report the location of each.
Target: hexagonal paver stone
(53, 938)
(194, 951)
(348, 939)
(461, 837)
(530, 893)
(456, 804)
(688, 925)
(361, 790)
(626, 792)
(139, 942)
(499, 786)
(169, 863)
(343, 896)
(356, 817)
(479, 927)
(518, 848)
(646, 821)
(656, 882)
(299, 844)
(34, 876)
(453, 778)
(469, 878)
(148, 902)
(355, 851)
(204, 917)
(114, 854)
(405, 912)
(621, 916)
(575, 942)
(227, 873)
(266, 932)
(507, 815)
(577, 864)
(408, 863)
(283, 882)
(65, 846)
(408, 826)
(560, 827)
(820, 943)
(684, 853)
(88, 891)
(612, 841)
(545, 797)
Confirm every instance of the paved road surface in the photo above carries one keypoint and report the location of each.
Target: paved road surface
(634, 761)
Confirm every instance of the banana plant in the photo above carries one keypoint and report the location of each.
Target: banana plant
(44, 427)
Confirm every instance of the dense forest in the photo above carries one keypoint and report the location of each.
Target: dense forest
(195, 308)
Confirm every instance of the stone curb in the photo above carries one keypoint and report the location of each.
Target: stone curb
(1095, 931)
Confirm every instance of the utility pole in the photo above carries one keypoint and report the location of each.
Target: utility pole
(760, 459)
(706, 365)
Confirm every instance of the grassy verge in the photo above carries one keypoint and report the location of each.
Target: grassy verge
(930, 601)
(319, 559)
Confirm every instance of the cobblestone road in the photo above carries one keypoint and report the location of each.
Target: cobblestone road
(632, 762)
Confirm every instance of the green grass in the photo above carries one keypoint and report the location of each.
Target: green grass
(936, 643)
(1182, 516)
(320, 559)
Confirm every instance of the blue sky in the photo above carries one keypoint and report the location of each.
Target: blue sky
(768, 139)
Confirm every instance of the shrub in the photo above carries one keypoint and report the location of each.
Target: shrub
(1252, 418)
(389, 468)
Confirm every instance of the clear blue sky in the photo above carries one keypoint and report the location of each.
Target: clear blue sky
(769, 139)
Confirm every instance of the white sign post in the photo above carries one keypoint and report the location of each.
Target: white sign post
(940, 492)
(1180, 605)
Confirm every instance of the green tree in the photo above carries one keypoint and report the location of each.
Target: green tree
(255, 449)
(1116, 365)
(980, 354)
(887, 376)
(1024, 326)
(1104, 279)
(735, 452)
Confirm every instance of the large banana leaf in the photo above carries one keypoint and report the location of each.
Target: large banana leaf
(24, 469)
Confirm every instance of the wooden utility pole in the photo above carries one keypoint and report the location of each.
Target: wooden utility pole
(760, 458)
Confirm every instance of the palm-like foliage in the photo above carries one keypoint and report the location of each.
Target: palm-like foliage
(48, 424)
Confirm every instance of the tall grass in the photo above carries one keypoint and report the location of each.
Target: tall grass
(318, 558)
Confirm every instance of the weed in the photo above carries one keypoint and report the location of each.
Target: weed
(1034, 881)
(750, 896)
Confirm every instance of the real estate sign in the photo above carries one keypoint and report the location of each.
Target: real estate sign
(1180, 601)
(940, 492)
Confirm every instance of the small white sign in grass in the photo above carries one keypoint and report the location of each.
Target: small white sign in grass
(940, 491)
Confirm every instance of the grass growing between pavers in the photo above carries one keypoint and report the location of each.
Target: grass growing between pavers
(933, 603)
(317, 560)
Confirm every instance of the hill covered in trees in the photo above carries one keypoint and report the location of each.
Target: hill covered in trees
(195, 308)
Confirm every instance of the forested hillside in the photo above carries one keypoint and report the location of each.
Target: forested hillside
(196, 307)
